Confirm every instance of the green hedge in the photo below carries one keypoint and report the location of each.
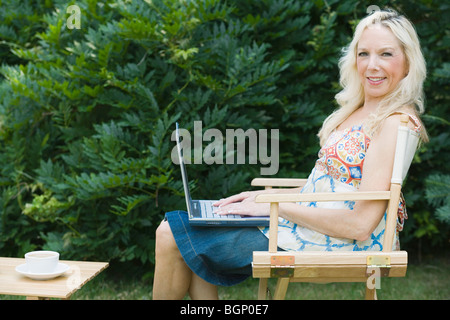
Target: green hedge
(86, 115)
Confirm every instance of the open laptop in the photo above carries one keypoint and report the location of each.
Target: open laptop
(201, 212)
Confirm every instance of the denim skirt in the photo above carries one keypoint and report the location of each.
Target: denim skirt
(219, 255)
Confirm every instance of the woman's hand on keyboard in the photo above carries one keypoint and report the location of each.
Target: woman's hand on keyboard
(243, 204)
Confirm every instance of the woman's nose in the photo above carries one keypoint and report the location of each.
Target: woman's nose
(373, 63)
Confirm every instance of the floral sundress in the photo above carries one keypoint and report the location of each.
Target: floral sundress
(339, 168)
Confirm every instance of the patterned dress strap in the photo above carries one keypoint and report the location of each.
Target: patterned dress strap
(415, 120)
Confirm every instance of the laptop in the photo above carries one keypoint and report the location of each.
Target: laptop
(201, 212)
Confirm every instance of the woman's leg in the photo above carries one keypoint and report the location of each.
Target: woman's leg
(173, 278)
(201, 289)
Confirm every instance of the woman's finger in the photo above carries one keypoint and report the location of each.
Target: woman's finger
(236, 198)
(243, 208)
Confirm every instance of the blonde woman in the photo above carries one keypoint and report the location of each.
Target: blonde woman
(382, 73)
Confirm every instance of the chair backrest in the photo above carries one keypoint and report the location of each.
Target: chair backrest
(407, 141)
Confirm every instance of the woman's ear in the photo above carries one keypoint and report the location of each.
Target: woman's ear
(407, 65)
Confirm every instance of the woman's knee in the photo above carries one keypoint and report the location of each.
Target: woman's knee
(165, 242)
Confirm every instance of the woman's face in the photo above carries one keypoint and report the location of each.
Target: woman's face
(380, 61)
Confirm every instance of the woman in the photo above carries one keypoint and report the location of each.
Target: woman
(382, 72)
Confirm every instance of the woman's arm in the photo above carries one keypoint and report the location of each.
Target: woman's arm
(358, 223)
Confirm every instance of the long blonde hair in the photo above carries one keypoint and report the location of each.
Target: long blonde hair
(409, 91)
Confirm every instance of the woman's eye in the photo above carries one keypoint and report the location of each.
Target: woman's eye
(387, 54)
(362, 54)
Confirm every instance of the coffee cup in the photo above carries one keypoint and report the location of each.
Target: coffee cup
(42, 261)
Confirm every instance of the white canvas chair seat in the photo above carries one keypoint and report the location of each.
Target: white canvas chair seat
(352, 266)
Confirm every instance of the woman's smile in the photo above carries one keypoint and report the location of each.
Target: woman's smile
(375, 81)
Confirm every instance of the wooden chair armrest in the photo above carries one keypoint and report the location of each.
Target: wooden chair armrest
(278, 182)
(325, 196)
(275, 199)
(329, 257)
(330, 266)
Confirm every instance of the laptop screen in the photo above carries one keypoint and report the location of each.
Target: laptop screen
(183, 171)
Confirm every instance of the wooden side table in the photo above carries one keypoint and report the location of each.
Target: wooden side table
(62, 287)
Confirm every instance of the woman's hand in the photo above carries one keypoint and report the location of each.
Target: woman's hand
(243, 204)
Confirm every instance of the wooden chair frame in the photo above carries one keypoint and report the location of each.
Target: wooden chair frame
(325, 267)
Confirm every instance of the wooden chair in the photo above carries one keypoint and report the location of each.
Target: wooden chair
(325, 267)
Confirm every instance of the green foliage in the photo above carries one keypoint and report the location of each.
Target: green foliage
(86, 115)
(438, 195)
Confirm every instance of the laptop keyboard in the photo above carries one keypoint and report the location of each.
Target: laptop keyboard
(208, 208)
(203, 215)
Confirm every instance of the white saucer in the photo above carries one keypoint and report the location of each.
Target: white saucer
(60, 269)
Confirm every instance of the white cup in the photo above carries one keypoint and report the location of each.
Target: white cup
(42, 261)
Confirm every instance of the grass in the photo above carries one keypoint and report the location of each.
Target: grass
(422, 282)
(427, 281)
